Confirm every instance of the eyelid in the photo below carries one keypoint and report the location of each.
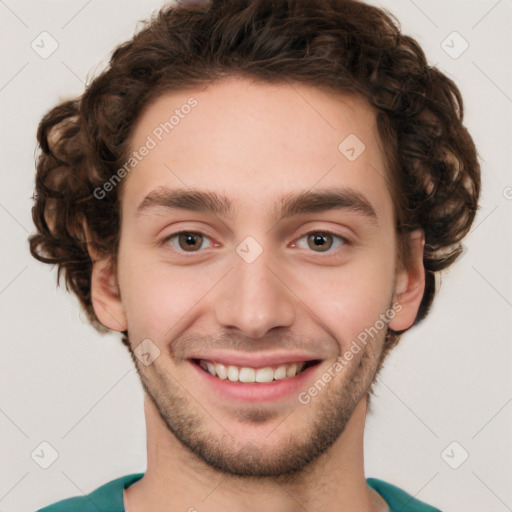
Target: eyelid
(345, 240)
(167, 239)
(329, 252)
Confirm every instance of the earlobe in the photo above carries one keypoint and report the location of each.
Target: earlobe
(410, 285)
(105, 296)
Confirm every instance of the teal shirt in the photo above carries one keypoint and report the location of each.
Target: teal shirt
(109, 498)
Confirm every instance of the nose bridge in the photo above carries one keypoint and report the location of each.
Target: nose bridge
(255, 299)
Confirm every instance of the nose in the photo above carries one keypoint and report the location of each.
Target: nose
(255, 298)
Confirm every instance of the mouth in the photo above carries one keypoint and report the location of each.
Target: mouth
(251, 375)
(237, 377)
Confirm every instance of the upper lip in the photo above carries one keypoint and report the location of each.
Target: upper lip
(255, 360)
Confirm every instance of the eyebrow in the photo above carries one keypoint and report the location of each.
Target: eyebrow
(289, 205)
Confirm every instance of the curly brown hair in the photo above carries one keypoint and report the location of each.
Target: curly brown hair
(341, 46)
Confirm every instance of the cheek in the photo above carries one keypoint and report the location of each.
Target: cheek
(157, 297)
(346, 299)
(351, 298)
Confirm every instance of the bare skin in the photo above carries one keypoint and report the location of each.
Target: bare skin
(256, 144)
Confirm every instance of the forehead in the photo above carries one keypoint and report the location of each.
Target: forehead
(256, 142)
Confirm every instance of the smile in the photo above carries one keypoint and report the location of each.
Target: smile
(247, 374)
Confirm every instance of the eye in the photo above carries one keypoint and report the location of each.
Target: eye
(323, 241)
(188, 241)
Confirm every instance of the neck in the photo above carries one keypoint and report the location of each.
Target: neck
(335, 481)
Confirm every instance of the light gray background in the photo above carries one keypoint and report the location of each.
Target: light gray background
(448, 380)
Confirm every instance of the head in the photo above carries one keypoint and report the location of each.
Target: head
(256, 115)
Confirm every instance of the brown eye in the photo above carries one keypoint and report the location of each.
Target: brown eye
(321, 241)
(187, 241)
(190, 241)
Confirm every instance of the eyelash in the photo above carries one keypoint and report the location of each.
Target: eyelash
(330, 251)
(345, 241)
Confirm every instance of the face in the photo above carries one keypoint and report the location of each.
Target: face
(291, 258)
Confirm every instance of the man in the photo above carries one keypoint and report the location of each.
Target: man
(258, 196)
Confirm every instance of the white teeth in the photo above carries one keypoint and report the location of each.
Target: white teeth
(280, 373)
(221, 371)
(232, 373)
(265, 375)
(245, 374)
(292, 370)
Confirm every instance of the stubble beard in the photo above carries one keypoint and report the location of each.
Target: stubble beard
(298, 452)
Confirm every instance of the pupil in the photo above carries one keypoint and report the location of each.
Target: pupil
(319, 241)
(190, 241)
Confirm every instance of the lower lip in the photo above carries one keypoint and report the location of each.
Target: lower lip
(255, 392)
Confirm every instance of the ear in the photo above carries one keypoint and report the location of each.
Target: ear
(410, 284)
(105, 296)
